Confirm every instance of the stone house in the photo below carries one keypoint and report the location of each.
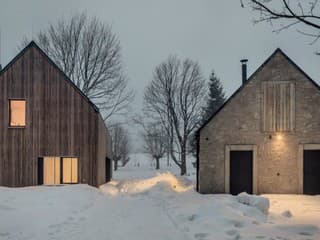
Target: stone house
(266, 136)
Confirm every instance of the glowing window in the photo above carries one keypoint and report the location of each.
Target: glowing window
(51, 170)
(70, 170)
(17, 113)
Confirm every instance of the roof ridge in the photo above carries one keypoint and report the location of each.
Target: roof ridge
(278, 50)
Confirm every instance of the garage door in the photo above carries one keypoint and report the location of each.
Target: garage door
(311, 172)
(241, 165)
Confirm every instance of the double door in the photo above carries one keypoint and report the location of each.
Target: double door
(58, 170)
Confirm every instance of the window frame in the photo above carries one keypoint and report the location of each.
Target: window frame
(9, 112)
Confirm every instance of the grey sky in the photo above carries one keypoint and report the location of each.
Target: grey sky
(216, 33)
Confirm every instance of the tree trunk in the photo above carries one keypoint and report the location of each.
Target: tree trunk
(157, 163)
(115, 165)
(183, 167)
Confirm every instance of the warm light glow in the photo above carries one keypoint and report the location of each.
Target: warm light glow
(51, 170)
(17, 113)
(138, 186)
(279, 136)
(70, 170)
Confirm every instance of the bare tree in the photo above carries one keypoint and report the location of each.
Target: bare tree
(155, 142)
(90, 55)
(289, 13)
(175, 98)
(120, 145)
(154, 136)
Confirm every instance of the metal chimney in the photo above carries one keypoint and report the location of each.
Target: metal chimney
(0, 51)
(244, 70)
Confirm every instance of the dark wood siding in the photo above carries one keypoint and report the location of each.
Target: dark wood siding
(60, 121)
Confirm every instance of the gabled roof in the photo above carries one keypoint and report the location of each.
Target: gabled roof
(278, 50)
(33, 44)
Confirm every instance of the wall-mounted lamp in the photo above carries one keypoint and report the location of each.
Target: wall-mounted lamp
(277, 136)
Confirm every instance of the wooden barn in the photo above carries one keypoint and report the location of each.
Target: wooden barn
(266, 136)
(51, 133)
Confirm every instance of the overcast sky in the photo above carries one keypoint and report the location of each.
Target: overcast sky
(215, 33)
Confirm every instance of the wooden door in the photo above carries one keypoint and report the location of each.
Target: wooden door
(241, 172)
(311, 172)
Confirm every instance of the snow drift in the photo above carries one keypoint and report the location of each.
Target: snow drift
(164, 181)
(258, 202)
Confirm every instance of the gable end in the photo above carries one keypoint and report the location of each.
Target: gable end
(278, 50)
(33, 44)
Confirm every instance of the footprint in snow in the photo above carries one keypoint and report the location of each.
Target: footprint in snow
(236, 223)
(192, 217)
(306, 233)
(5, 207)
(282, 238)
(4, 234)
(233, 233)
(287, 214)
(300, 229)
(201, 236)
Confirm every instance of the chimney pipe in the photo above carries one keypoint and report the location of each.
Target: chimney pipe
(244, 70)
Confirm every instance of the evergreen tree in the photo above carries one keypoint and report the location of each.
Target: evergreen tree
(215, 99)
(216, 96)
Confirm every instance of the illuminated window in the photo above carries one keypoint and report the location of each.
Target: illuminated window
(51, 170)
(17, 113)
(278, 106)
(70, 170)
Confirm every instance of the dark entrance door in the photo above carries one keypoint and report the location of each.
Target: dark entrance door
(241, 166)
(311, 172)
(108, 169)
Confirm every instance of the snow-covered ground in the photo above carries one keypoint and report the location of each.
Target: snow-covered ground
(141, 203)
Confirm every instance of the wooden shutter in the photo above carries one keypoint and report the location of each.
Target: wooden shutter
(278, 106)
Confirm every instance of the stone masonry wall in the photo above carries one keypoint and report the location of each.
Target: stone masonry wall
(239, 122)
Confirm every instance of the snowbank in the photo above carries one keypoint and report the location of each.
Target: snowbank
(258, 202)
(162, 181)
